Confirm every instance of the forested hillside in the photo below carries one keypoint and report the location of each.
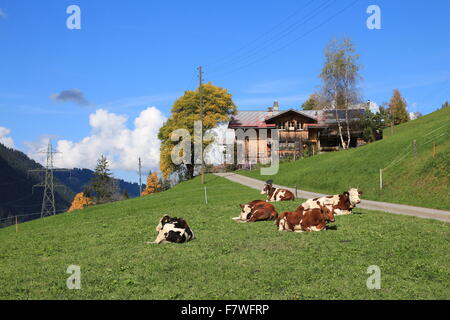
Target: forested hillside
(16, 186)
(16, 196)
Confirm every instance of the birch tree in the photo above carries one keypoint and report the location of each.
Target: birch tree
(340, 78)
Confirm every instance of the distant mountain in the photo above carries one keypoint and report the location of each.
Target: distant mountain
(78, 179)
(16, 186)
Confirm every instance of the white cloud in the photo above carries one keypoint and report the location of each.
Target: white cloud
(111, 137)
(7, 141)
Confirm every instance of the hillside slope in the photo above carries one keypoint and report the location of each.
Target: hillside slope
(419, 179)
(227, 260)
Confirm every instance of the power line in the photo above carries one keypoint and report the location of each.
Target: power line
(20, 199)
(294, 40)
(29, 214)
(224, 58)
(48, 200)
(284, 33)
(200, 72)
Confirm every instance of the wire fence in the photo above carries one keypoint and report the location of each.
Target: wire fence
(413, 146)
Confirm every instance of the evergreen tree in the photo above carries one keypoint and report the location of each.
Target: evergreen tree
(102, 183)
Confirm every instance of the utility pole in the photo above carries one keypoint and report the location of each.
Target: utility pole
(140, 177)
(392, 121)
(48, 201)
(201, 119)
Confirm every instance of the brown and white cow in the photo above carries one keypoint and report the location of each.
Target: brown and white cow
(276, 194)
(257, 210)
(302, 220)
(340, 204)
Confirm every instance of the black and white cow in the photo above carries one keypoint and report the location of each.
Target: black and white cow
(276, 194)
(174, 230)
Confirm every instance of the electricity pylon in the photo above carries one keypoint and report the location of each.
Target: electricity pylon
(48, 200)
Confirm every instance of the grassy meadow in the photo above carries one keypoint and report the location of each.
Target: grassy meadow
(227, 260)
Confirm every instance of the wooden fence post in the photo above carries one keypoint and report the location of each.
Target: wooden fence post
(381, 179)
(434, 150)
(414, 145)
(206, 197)
(17, 225)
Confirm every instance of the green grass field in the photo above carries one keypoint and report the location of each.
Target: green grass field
(228, 260)
(420, 181)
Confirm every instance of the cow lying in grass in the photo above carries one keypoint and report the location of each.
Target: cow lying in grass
(340, 204)
(257, 210)
(302, 220)
(174, 230)
(276, 194)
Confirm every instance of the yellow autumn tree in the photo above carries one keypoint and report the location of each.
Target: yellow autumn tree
(152, 184)
(218, 107)
(79, 202)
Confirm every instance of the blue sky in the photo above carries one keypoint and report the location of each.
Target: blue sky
(130, 55)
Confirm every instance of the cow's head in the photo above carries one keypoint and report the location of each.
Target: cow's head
(354, 197)
(328, 214)
(267, 187)
(162, 222)
(245, 211)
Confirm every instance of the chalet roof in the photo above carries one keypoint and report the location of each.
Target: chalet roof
(251, 119)
(259, 119)
(292, 110)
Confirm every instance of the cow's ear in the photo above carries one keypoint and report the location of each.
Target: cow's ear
(242, 206)
(360, 193)
(166, 218)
